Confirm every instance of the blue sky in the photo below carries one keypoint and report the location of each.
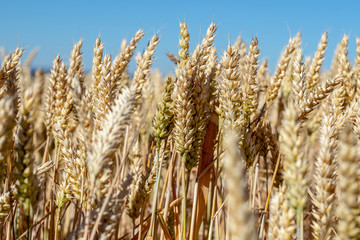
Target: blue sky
(54, 26)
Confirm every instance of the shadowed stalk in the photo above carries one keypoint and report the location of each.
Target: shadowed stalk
(183, 201)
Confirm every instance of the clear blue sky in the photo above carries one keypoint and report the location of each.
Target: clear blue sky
(54, 26)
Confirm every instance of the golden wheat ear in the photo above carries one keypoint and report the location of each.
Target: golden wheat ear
(282, 217)
(240, 219)
(348, 226)
(323, 197)
(7, 124)
(314, 71)
(280, 72)
(295, 165)
(10, 63)
(120, 63)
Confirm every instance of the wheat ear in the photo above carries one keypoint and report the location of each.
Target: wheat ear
(280, 72)
(76, 67)
(96, 68)
(295, 165)
(9, 65)
(299, 84)
(6, 201)
(241, 222)
(184, 110)
(102, 149)
(202, 92)
(251, 81)
(345, 70)
(61, 106)
(348, 226)
(142, 72)
(134, 198)
(7, 124)
(112, 214)
(10, 85)
(229, 86)
(50, 96)
(314, 71)
(163, 119)
(323, 198)
(184, 43)
(341, 95)
(27, 185)
(103, 100)
(108, 139)
(282, 218)
(82, 103)
(317, 96)
(120, 63)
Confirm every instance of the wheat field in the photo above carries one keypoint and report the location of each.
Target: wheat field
(221, 149)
